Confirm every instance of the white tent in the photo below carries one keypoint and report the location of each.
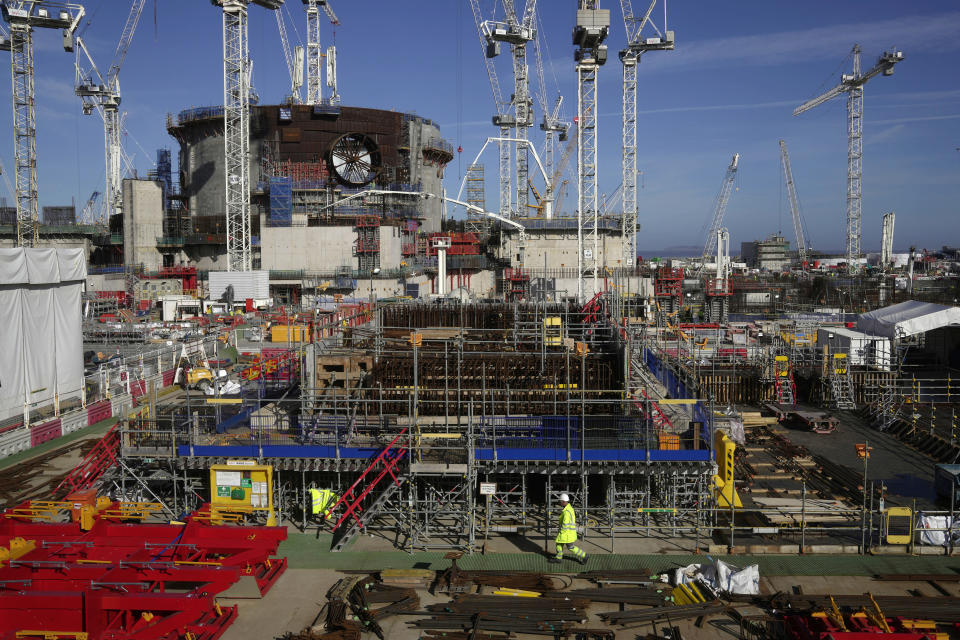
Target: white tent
(908, 318)
(41, 338)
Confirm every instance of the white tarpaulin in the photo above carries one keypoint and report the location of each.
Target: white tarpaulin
(41, 339)
(908, 318)
(721, 576)
(934, 530)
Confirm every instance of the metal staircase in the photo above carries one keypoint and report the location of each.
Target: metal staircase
(360, 506)
(840, 383)
(101, 458)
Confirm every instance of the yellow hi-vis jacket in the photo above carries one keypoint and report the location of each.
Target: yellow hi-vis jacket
(322, 501)
(568, 526)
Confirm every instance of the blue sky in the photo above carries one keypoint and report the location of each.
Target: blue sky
(730, 86)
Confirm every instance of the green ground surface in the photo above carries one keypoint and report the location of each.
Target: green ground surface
(306, 551)
(90, 430)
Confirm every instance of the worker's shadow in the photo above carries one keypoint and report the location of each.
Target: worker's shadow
(523, 543)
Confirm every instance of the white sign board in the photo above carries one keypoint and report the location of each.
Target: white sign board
(229, 478)
(588, 253)
(488, 488)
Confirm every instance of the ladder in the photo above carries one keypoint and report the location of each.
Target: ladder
(85, 475)
(783, 378)
(357, 514)
(840, 383)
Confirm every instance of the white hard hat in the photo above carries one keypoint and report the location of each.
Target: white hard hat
(564, 497)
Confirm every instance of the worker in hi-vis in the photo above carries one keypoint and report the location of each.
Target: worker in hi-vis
(322, 502)
(567, 534)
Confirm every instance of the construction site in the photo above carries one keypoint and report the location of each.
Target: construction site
(292, 385)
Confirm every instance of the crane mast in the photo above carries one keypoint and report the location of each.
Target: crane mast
(852, 85)
(315, 49)
(501, 119)
(23, 16)
(236, 129)
(720, 207)
(553, 127)
(592, 27)
(637, 44)
(794, 204)
(517, 32)
(293, 58)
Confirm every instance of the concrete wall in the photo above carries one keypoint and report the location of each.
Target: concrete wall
(560, 249)
(106, 282)
(142, 223)
(308, 248)
(53, 242)
(430, 177)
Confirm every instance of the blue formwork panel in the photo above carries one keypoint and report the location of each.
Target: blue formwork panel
(281, 202)
(279, 451)
(592, 455)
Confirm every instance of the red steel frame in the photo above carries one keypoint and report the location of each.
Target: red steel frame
(112, 581)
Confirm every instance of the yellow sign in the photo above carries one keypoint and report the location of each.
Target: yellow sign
(246, 486)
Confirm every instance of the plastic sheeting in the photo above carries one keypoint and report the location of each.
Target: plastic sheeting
(41, 338)
(908, 319)
(934, 530)
(721, 576)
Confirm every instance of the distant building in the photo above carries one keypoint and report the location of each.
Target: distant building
(8, 215)
(59, 216)
(772, 254)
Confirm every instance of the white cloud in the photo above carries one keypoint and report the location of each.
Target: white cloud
(930, 33)
(886, 134)
(947, 116)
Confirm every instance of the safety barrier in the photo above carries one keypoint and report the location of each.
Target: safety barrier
(40, 433)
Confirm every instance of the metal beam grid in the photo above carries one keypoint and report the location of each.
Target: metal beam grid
(442, 514)
(24, 133)
(236, 134)
(508, 506)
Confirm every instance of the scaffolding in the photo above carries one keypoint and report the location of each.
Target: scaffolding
(476, 196)
(420, 406)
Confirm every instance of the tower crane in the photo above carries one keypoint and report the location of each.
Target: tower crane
(236, 129)
(23, 16)
(561, 167)
(315, 52)
(553, 127)
(502, 117)
(87, 216)
(852, 85)
(719, 208)
(517, 32)
(637, 45)
(590, 31)
(794, 205)
(103, 95)
(293, 58)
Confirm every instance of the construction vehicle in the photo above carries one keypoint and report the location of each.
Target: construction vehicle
(193, 369)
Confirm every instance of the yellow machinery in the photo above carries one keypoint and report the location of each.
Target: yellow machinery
(724, 492)
(246, 488)
(899, 525)
(193, 369)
